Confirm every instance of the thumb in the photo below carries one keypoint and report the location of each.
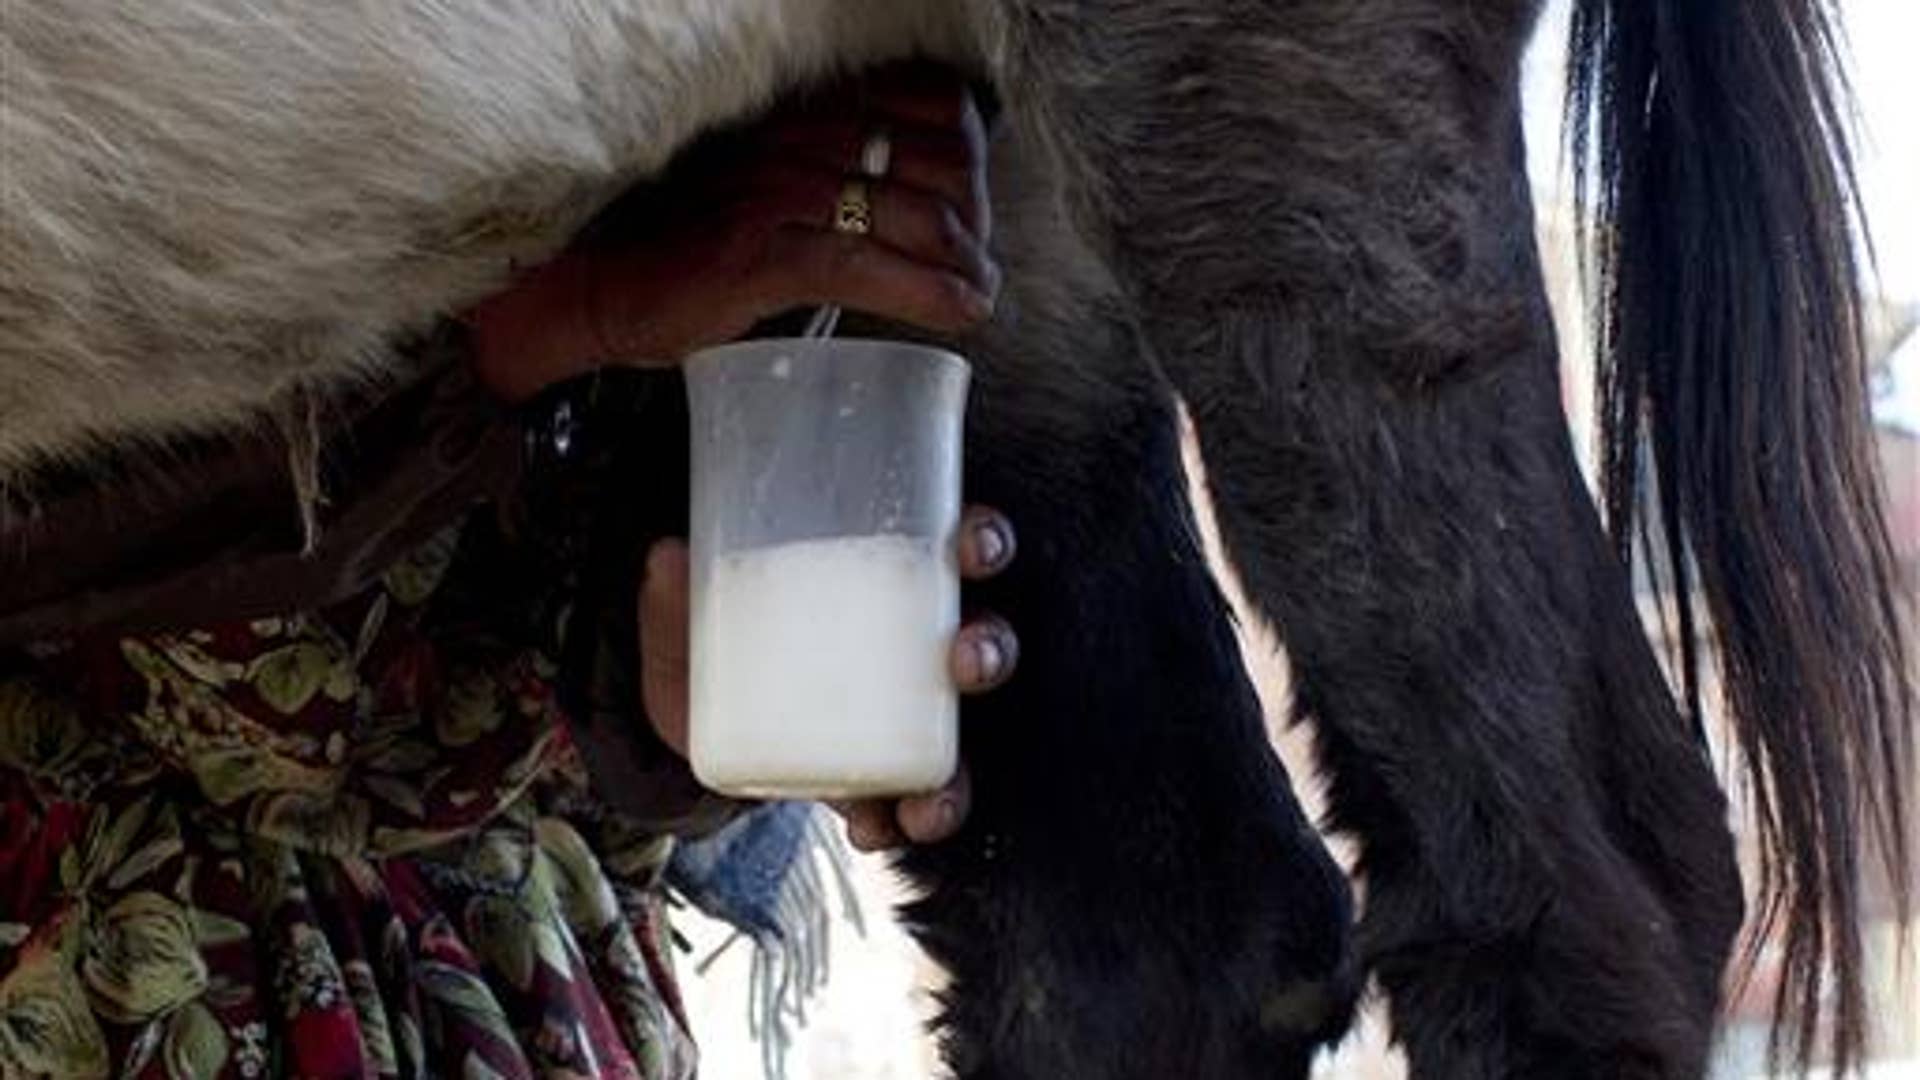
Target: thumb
(664, 618)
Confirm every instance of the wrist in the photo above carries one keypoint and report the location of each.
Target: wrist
(536, 332)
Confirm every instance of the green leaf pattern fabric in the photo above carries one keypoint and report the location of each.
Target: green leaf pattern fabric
(355, 842)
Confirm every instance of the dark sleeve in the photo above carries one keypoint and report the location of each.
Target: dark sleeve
(606, 476)
(216, 534)
(213, 530)
(631, 769)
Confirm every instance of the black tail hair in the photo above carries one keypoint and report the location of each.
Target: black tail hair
(1717, 201)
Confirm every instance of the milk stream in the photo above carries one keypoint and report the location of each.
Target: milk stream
(820, 669)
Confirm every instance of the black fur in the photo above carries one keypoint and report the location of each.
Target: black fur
(1319, 234)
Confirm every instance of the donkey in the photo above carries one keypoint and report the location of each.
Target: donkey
(1309, 222)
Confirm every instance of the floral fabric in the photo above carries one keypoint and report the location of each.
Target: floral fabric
(354, 843)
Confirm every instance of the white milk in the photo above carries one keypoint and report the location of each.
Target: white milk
(820, 669)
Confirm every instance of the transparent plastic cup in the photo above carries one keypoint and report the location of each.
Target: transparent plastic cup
(826, 494)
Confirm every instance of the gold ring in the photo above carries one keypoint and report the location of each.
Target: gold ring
(854, 212)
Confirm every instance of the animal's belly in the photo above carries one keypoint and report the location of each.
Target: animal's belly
(208, 203)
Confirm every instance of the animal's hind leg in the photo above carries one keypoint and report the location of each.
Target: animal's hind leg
(1136, 893)
(1321, 210)
(1549, 882)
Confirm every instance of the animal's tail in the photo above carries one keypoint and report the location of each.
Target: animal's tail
(1718, 203)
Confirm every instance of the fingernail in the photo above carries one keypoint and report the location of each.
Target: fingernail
(659, 559)
(946, 815)
(988, 658)
(990, 542)
(978, 305)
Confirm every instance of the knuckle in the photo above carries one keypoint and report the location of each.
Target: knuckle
(992, 277)
(956, 300)
(950, 230)
(947, 169)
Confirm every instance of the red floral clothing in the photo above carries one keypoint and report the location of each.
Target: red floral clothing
(355, 843)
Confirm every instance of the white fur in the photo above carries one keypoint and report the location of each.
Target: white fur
(206, 204)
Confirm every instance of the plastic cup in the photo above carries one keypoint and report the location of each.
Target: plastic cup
(826, 494)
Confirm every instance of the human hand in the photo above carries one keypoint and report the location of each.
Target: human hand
(747, 231)
(983, 656)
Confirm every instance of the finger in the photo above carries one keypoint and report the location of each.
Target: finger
(901, 96)
(984, 654)
(954, 113)
(940, 162)
(987, 542)
(664, 617)
(913, 221)
(818, 266)
(926, 226)
(916, 92)
(950, 168)
(927, 95)
(870, 824)
(927, 819)
(947, 106)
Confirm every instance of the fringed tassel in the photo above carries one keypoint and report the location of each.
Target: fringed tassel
(793, 963)
(298, 419)
(791, 929)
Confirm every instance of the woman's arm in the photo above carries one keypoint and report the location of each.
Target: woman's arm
(212, 529)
